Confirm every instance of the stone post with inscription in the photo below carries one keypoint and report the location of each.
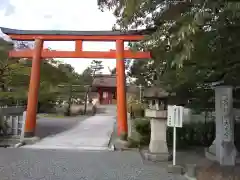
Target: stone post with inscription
(223, 149)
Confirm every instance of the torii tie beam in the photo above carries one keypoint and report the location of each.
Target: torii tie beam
(78, 37)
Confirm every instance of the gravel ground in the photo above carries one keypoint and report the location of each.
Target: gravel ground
(26, 164)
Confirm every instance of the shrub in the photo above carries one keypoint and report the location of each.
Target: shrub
(142, 126)
(193, 134)
(134, 105)
(135, 108)
(190, 135)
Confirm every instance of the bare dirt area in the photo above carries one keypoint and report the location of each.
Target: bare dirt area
(215, 172)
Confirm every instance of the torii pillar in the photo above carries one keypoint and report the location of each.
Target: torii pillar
(34, 84)
(121, 90)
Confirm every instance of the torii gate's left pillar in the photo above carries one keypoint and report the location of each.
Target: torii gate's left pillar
(121, 90)
(31, 116)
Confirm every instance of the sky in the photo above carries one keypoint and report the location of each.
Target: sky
(60, 15)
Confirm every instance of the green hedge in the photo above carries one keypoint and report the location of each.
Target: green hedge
(144, 129)
(194, 134)
(190, 135)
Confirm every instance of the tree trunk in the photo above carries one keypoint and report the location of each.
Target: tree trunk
(87, 92)
(69, 101)
(85, 101)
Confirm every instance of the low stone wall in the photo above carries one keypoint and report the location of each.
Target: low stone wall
(11, 119)
(75, 109)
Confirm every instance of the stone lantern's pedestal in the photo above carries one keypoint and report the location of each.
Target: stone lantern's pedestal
(158, 150)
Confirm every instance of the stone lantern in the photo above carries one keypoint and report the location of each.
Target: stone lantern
(157, 100)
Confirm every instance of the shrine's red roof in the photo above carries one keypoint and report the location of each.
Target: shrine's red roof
(108, 80)
(104, 80)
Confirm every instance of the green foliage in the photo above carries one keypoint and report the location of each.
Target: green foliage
(96, 66)
(191, 135)
(193, 43)
(87, 76)
(135, 107)
(143, 70)
(15, 76)
(142, 126)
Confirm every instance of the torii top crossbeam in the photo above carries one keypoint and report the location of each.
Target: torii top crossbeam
(78, 37)
(53, 35)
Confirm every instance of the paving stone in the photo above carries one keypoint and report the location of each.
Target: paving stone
(93, 133)
(32, 164)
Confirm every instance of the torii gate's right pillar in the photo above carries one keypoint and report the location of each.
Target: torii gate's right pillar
(121, 90)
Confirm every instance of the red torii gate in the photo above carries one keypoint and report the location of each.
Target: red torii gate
(78, 37)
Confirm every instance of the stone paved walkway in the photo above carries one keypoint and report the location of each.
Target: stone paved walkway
(35, 164)
(46, 160)
(93, 133)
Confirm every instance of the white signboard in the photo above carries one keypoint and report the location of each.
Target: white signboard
(175, 120)
(170, 116)
(175, 116)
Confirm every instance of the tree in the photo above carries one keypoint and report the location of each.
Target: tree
(53, 73)
(95, 67)
(87, 76)
(173, 23)
(192, 42)
(15, 75)
(112, 71)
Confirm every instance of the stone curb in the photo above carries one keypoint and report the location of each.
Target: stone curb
(29, 141)
(177, 169)
(18, 145)
(116, 144)
(110, 145)
(8, 142)
(159, 157)
(191, 171)
(189, 178)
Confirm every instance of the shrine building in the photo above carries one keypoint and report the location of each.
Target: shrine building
(105, 87)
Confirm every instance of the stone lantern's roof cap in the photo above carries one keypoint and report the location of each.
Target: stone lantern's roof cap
(156, 92)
